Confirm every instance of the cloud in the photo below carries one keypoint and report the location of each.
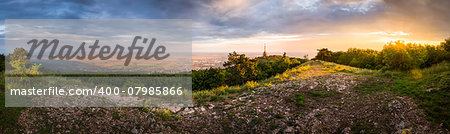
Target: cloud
(236, 19)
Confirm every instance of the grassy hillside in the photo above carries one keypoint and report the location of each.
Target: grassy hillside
(430, 88)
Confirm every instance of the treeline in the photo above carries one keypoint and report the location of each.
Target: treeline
(240, 69)
(394, 56)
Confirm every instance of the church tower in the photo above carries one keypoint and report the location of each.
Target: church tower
(265, 53)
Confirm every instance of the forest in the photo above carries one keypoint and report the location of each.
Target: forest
(395, 56)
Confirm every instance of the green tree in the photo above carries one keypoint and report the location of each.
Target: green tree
(2, 61)
(208, 79)
(396, 57)
(240, 68)
(324, 54)
(446, 44)
(20, 63)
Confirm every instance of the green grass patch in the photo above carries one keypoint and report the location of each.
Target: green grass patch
(317, 94)
(429, 87)
(299, 100)
(256, 121)
(9, 116)
(431, 92)
(115, 115)
(164, 114)
(279, 116)
(319, 115)
(372, 85)
(363, 127)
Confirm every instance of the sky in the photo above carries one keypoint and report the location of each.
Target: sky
(246, 25)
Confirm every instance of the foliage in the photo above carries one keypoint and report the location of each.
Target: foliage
(20, 64)
(8, 116)
(219, 93)
(292, 73)
(208, 79)
(240, 69)
(324, 54)
(396, 55)
(164, 114)
(250, 85)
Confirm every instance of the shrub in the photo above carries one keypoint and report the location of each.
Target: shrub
(164, 114)
(250, 85)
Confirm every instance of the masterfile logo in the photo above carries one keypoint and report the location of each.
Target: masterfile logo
(106, 46)
(98, 63)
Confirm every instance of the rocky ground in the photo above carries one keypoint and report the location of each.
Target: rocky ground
(318, 101)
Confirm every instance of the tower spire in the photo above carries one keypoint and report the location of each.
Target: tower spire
(264, 47)
(265, 53)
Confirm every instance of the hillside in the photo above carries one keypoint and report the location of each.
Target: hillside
(316, 97)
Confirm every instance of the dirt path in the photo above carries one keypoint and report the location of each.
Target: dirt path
(330, 104)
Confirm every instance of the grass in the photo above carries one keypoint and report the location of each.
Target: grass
(9, 116)
(362, 127)
(323, 94)
(279, 116)
(429, 87)
(256, 121)
(164, 114)
(299, 100)
(115, 115)
(333, 67)
(317, 94)
(371, 86)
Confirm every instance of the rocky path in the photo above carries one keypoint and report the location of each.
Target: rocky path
(316, 101)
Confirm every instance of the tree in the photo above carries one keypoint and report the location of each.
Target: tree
(20, 63)
(324, 54)
(208, 79)
(305, 56)
(446, 44)
(241, 68)
(396, 57)
(2, 60)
